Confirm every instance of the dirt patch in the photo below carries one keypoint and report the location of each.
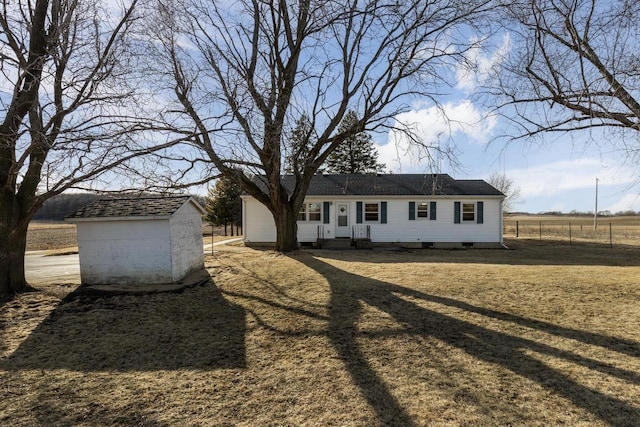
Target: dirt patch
(197, 278)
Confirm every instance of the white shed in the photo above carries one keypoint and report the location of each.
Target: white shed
(146, 240)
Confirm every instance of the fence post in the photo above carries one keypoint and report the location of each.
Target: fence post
(211, 238)
(569, 234)
(540, 230)
(610, 237)
(517, 229)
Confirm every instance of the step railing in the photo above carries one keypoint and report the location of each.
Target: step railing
(361, 232)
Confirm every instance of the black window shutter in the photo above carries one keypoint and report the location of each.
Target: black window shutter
(480, 217)
(456, 212)
(412, 211)
(359, 212)
(432, 211)
(383, 212)
(325, 206)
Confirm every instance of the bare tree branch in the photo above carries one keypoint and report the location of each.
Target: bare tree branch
(576, 68)
(72, 116)
(259, 66)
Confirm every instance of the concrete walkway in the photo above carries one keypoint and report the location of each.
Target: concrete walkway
(207, 248)
(40, 268)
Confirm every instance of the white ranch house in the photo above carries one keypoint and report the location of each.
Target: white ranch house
(416, 210)
(148, 240)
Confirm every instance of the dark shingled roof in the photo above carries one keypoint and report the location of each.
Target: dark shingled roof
(131, 206)
(390, 185)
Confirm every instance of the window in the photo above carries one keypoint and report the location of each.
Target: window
(310, 212)
(468, 211)
(302, 215)
(371, 211)
(423, 210)
(315, 211)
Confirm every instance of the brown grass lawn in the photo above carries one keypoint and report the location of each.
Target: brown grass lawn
(541, 335)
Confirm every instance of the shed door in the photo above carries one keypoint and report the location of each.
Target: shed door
(342, 220)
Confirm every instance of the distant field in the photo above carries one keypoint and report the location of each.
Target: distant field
(51, 235)
(620, 230)
(586, 220)
(59, 235)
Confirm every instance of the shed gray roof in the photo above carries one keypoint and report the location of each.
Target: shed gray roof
(161, 206)
(390, 185)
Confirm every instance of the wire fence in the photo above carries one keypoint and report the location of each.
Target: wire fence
(606, 232)
(221, 230)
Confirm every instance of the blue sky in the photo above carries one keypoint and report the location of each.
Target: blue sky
(554, 172)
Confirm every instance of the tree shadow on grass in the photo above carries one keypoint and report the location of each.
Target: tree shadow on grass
(349, 291)
(528, 253)
(193, 329)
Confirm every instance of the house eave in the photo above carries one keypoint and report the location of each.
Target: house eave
(197, 205)
(396, 197)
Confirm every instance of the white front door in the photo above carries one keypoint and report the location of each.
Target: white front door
(342, 220)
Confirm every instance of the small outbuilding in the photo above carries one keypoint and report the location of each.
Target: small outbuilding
(139, 240)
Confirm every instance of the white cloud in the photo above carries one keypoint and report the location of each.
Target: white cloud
(550, 179)
(627, 202)
(483, 64)
(431, 128)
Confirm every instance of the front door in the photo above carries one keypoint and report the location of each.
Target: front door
(342, 220)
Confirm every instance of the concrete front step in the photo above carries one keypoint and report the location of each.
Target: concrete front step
(342, 244)
(335, 244)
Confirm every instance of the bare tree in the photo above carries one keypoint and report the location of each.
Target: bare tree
(504, 184)
(575, 66)
(67, 103)
(243, 74)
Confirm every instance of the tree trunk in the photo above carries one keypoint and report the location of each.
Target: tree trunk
(12, 248)
(286, 229)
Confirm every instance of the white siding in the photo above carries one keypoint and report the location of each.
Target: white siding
(259, 225)
(400, 229)
(187, 253)
(308, 230)
(124, 252)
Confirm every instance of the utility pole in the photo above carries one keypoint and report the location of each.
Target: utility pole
(595, 214)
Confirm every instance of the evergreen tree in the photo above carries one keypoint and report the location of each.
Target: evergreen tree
(223, 203)
(357, 154)
(301, 139)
